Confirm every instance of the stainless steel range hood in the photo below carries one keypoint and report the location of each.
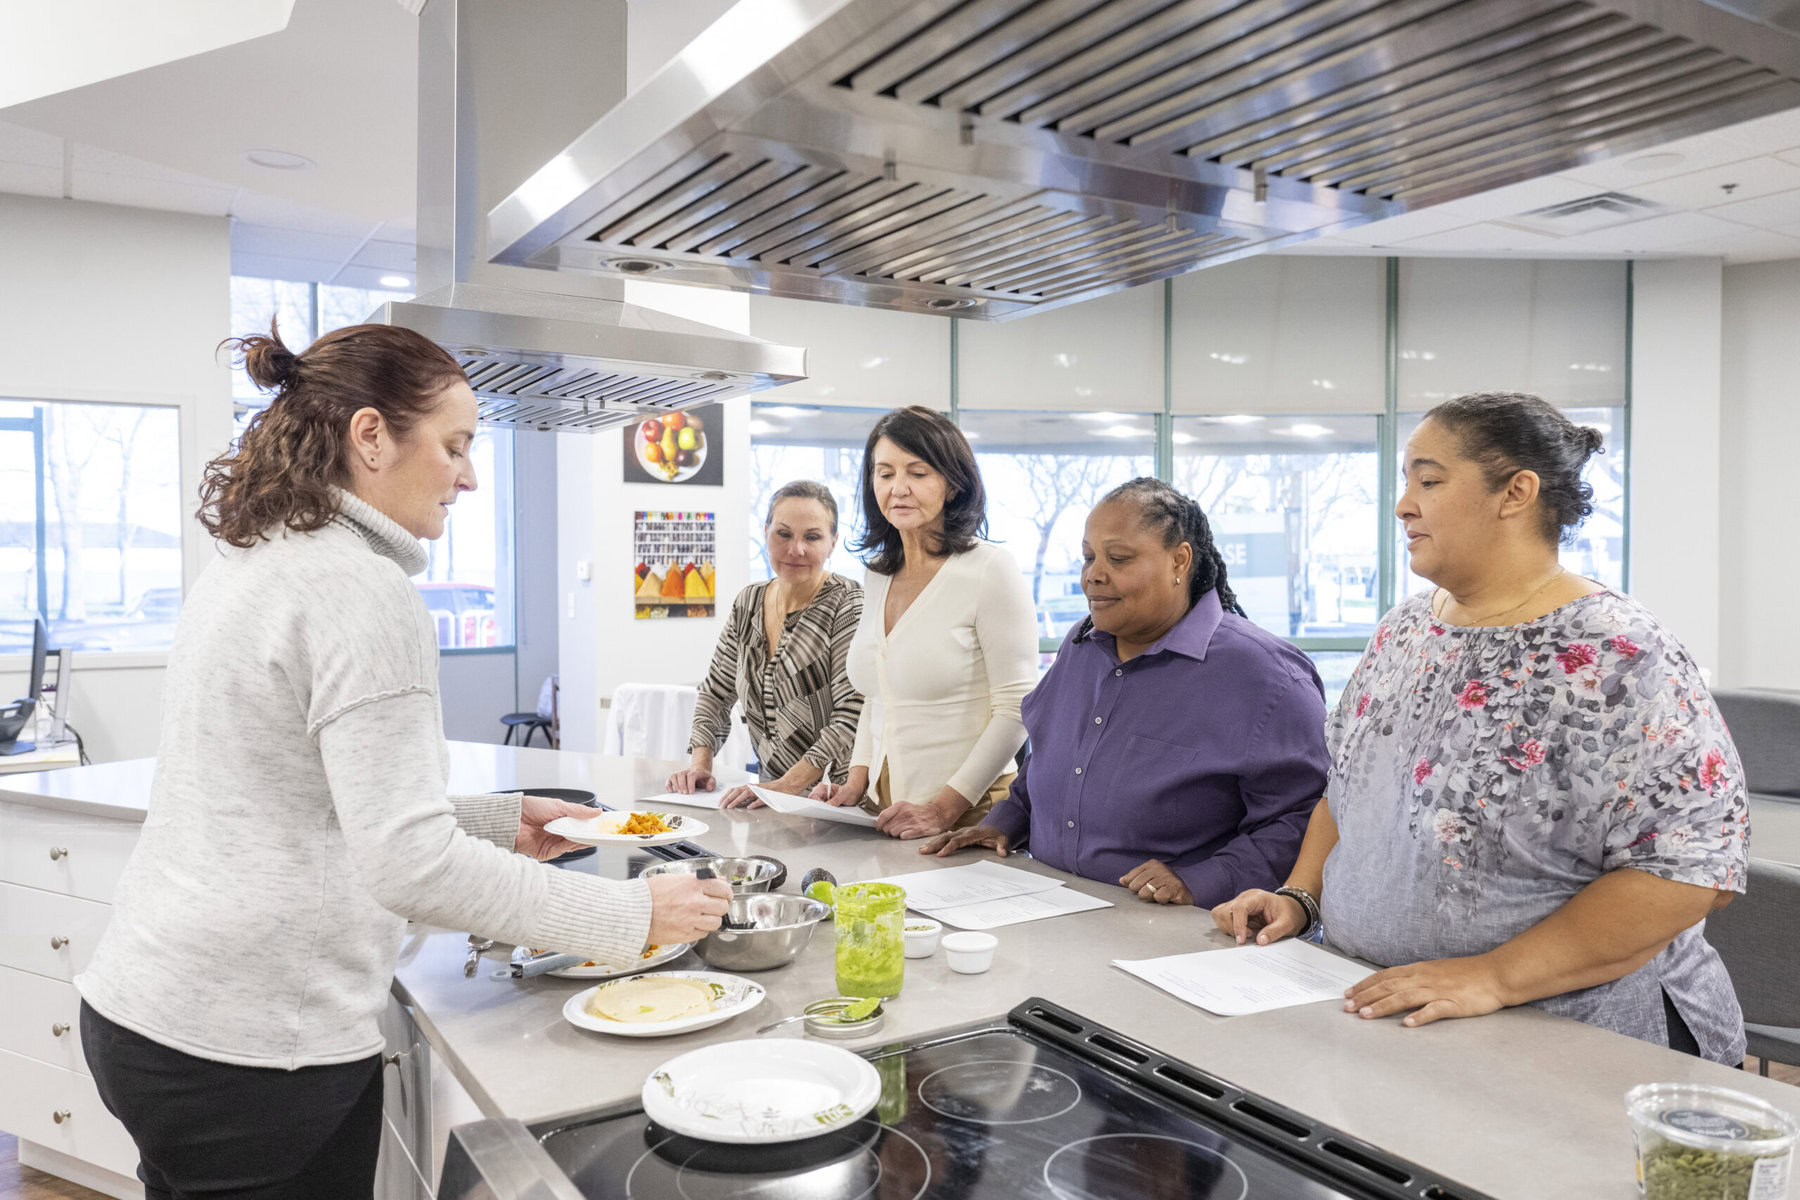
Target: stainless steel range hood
(540, 359)
(988, 158)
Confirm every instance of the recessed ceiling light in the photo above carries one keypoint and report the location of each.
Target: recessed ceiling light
(1123, 431)
(1306, 429)
(1655, 162)
(1239, 419)
(395, 281)
(1095, 416)
(278, 160)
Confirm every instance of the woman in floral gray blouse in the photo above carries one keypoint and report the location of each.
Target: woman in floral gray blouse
(1532, 798)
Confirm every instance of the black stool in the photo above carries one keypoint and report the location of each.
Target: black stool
(531, 723)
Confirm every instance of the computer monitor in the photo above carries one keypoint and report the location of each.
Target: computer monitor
(40, 648)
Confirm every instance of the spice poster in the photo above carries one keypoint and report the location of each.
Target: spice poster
(677, 447)
(674, 576)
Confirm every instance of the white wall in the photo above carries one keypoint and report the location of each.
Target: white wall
(118, 305)
(1759, 547)
(1675, 467)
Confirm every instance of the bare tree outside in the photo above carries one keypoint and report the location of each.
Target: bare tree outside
(126, 441)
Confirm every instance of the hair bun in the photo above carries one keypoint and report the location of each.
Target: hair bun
(1592, 440)
(267, 360)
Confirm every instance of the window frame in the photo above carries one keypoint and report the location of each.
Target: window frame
(1387, 425)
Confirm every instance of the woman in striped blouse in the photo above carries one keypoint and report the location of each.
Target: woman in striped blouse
(783, 654)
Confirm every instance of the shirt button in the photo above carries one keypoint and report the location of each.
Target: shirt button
(1078, 770)
(1118, 671)
(1097, 720)
(1071, 824)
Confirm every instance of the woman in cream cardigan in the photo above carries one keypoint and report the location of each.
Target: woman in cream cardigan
(947, 645)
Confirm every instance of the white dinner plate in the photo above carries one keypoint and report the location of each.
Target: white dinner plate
(602, 829)
(655, 470)
(761, 1091)
(664, 954)
(734, 994)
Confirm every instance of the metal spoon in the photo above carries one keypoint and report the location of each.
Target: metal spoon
(783, 1021)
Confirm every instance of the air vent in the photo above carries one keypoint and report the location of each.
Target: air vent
(1601, 211)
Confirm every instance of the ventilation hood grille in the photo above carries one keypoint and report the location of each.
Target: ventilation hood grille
(992, 157)
(572, 364)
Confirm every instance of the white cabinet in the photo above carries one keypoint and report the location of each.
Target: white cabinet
(58, 871)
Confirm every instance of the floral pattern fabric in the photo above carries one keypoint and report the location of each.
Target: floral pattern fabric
(1482, 776)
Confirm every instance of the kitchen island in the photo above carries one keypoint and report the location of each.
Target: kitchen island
(1519, 1105)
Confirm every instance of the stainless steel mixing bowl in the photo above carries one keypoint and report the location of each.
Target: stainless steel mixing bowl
(761, 932)
(754, 873)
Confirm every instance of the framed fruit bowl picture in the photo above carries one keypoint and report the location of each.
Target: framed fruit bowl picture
(677, 447)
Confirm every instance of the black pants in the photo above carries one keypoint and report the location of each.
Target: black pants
(213, 1130)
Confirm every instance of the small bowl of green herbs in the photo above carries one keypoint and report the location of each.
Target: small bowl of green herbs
(1696, 1142)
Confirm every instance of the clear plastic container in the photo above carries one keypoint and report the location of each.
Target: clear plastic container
(1696, 1142)
(870, 948)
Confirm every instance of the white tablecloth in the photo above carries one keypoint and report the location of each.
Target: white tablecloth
(653, 720)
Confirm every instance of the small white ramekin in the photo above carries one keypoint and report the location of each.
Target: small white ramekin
(921, 936)
(970, 953)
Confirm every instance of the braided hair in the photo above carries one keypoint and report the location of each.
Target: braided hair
(1179, 519)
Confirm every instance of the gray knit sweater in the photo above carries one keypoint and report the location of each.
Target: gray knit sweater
(299, 814)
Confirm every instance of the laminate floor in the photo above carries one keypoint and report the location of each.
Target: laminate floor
(25, 1183)
(28, 1183)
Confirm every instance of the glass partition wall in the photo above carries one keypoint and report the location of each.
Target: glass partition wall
(1277, 391)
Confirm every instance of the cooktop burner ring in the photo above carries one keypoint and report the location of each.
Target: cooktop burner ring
(864, 1150)
(1066, 1193)
(1037, 1082)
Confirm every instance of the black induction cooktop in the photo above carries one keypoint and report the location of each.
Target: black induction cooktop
(1045, 1104)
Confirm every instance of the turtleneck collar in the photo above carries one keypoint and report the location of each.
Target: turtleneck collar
(381, 531)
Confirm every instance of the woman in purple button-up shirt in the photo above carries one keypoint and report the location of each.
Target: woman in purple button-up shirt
(1176, 748)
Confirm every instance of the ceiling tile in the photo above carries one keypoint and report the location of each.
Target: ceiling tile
(21, 145)
(387, 256)
(1697, 154)
(1777, 131)
(1519, 198)
(106, 162)
(211, 200)
(270, 266)
(1485, 237)
(1765, 212)
(1790, 156)
(1402, 227)
(1656, 233)
(27, 180)
(1752, 177)
(1749, 245)
(262, 208)
(292, 243)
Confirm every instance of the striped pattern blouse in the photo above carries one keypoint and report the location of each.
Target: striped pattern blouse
(798, 704)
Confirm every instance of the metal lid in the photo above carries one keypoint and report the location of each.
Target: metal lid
(821, 1022)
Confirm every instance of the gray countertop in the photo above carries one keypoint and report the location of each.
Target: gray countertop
(1517, 1104)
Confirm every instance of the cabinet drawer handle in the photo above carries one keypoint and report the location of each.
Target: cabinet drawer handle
(57, 942)
(58, 1029)
(57, 852)
(61, 1115)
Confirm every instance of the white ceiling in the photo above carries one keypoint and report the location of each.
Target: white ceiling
(338, 87)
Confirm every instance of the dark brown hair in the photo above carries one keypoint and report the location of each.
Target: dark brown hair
(1509, 432)
(927, 434)
(804, 489)
(293, 452)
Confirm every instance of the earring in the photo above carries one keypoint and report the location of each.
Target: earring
(1178, 579)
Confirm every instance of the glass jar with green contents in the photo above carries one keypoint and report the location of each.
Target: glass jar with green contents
(871, 954)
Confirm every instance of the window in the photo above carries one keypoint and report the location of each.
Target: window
(790, 442)
(1292, 502)
(468, 584)
(1044, 472)
(91, 539)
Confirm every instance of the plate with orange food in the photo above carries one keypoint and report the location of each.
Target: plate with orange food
(652, 957)
(637, 828)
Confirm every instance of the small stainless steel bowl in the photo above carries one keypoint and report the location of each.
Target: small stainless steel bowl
(755, 873)
(761, 932)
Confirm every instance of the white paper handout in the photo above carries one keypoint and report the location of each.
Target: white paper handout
(695, 799)
(804, 806)
(1016, 910)
(1251, 979)
(951, 887)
